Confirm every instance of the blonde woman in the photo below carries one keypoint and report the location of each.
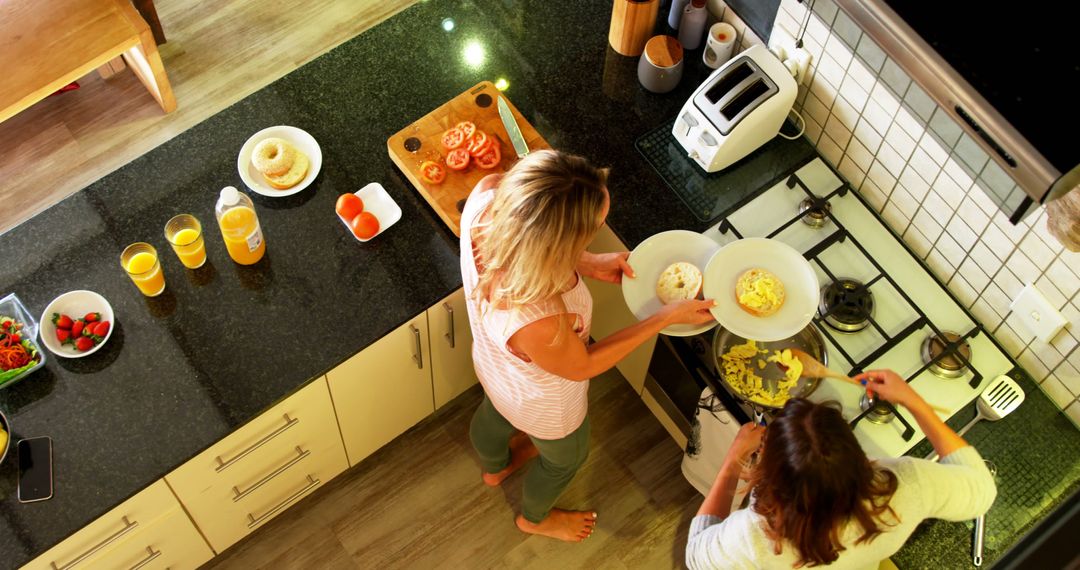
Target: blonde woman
(523, 238)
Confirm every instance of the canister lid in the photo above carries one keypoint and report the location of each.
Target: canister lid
(663, 51)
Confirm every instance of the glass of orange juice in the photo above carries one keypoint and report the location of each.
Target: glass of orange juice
(140, 260)
(184, 233)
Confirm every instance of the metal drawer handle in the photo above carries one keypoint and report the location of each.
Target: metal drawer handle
(418, 356)
(128, 527)
(300, 454)
(450, 330)
(289, 422)
(153, 555)
(254, 522)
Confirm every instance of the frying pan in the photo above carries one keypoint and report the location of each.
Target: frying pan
(809, 340)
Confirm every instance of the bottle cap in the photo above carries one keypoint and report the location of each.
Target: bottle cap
(698, 3)
(229, 195)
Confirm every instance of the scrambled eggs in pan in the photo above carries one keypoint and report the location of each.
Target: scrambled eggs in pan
(740, 374)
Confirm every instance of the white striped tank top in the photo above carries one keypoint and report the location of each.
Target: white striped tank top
(533, 400)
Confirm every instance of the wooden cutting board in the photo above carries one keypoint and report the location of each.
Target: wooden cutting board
(421, 141)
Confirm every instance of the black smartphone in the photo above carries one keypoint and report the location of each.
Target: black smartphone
(35, 469)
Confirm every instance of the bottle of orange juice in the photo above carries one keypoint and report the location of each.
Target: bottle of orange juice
(239, 226)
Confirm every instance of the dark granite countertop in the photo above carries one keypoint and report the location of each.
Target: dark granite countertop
(225, 342)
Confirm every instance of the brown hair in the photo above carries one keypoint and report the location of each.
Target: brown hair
(813, 478)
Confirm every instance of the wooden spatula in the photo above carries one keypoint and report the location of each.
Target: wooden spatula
(814, 369)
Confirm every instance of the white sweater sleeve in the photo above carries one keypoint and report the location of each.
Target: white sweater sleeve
(958, 488)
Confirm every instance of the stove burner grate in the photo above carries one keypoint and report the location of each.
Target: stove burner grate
(946, 354)
(846, 305)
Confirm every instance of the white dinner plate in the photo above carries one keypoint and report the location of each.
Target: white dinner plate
(793, 270)
(650, 258)
(380, 204)
(300, 139)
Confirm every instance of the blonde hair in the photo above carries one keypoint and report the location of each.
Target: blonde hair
(546, 211)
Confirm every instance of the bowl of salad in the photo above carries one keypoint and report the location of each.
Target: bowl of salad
(19, 353)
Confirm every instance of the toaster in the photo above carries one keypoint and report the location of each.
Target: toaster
(738, 108)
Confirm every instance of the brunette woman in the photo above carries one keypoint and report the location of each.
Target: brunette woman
(816, 498)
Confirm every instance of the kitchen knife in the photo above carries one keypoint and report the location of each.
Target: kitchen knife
(512, 129)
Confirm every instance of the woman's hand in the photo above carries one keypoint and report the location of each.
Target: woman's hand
(689, 311)
(608, 267)
(891, 387)
(746, 443)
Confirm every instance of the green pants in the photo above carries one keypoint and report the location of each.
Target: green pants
(552, 471)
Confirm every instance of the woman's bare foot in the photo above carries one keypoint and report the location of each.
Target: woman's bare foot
(571, 526)
(521, 450)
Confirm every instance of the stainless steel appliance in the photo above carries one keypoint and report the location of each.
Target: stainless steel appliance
(879, 306)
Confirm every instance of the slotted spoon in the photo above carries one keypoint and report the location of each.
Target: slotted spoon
(997, 400)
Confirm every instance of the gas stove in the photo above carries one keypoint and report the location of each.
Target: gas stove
(879, 308)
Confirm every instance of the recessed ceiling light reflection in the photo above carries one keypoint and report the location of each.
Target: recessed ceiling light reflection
(448, 24)
(474, 53)
(502, 84)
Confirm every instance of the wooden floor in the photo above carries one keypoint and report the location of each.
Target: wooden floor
(419, 502)
(217, 53)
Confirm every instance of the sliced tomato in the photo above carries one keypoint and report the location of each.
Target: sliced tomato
(478, 143)
(432, 172)
(491, 158)
(467, 128)
(453, 138)
(458, 159)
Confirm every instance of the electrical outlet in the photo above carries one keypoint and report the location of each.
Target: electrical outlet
(1037, 314)
(782, 45)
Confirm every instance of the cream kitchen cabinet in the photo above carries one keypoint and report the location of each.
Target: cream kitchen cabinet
(610, 314)
(261, 469)
(451, 348)
(384, 389)
(148, 531)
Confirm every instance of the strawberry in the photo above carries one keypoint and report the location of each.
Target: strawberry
(77, 327)
(92, 317)
(61, 321)
(63, 335)
(100, 329)
(84, 343)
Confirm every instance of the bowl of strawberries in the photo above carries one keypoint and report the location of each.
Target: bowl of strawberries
(76, 324)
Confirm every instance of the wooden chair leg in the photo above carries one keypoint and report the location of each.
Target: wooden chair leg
(149, 13)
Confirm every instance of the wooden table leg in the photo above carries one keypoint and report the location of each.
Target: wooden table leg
(149, 13)
(144, 60)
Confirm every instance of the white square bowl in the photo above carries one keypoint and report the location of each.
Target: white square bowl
(380, 204)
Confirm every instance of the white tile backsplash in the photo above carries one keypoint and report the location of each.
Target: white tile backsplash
(929, 180)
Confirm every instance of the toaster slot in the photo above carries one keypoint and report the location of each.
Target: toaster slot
(744, 100)
(736, 74)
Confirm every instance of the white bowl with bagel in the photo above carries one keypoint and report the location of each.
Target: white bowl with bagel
(279, 161)
(765, 290)
(668, 267)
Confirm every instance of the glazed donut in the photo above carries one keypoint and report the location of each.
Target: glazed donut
(273, 156)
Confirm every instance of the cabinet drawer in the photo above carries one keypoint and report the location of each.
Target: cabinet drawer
(225, 514)
(91, 544)
(170, 542)
(305, 419)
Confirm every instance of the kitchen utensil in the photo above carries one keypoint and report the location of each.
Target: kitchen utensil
(738, 108)
(141, 263)
(650, 258)
(997, 400)
(814, 369)
(661, 65)
(300, 139)
(74, 304)
(800, 283)
(380, 204)
(719, 44)
(512, 129)
(421, 141)
(184, 234)
(632, 22)
(808, 340)
(980, 526)
(11, 306)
